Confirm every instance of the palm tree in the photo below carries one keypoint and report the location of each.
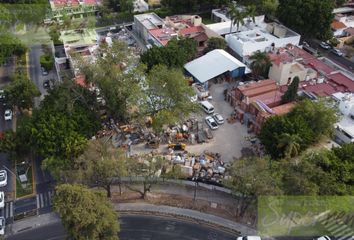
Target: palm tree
(236, 16)
(260, 64)
(290, 143)
(251, 13)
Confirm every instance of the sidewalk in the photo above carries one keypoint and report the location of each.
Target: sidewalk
(185, 213)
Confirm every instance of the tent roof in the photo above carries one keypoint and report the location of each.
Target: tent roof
(213, 64)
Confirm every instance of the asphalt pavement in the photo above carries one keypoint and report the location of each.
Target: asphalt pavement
(138, 227)
(342, 61)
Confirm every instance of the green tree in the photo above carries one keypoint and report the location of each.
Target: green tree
(251, 12)
(127, 6)
(313, 20)
(47, 61)
(146, 167)
(167, 97)
(100, 165)
(290, 144)
(260, 64)
(251, 178)
(291, 93)
(215, 43)
(236, 15)
(269, 7)
(319, 117)
(175, 54)
(9, 46)
(86, 214)
(54, 34)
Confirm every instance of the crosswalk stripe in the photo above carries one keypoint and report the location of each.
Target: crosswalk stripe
(331, 223)
(37, 198)
(7, 210)
(334, 227)
(348, 236)
(344, 232)
(41, 198)
(338, 230)
(11, 209)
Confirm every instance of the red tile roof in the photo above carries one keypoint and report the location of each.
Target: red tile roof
(196, 29)
(268, 98)
(320, 89)
(318, 65)
(163, 35)
(342, 80)
(289, 54)
(337, 25)
(201, 37)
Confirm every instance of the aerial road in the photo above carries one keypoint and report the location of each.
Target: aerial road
(138, 227)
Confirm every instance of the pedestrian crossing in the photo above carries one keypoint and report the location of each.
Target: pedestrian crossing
(9, 210)
(338, 229)
(44, 200)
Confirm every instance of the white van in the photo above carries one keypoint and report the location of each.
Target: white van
(207, 107)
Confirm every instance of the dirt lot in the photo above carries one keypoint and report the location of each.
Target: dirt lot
(228, 140)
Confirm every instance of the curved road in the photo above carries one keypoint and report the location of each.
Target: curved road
(134, 227)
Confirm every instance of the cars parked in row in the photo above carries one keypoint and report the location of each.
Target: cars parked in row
(218, 118)
(2, 199)
(337, 52)
(44, 72)
(2, 226)
(325, 45)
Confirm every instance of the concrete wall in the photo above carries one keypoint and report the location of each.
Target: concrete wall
(248, 48)
(282, 72)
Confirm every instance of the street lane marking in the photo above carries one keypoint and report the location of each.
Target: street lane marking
(37, 197)
(41, 198)
(11, 209)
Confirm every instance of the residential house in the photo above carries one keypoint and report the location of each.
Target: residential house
(216, 64)
(344, 129)
(338, 28)
(255, 102)
(72, 8)
(262, 37)
(286, 65)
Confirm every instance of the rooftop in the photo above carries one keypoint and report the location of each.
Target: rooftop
(343, 10)
(149, 20)
(163, 35)
(319, 66)
(213, 64)
(289, 54)
(343, 80)
(350, 31)
(336, 25)
(256, 85)
(189, 30)
(268, 98)
(79, 37)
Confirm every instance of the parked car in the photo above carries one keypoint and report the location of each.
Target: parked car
(323, 238)
(177, 146)
(218, 118)
(46, 84)
(249, 238)
(337, 52)
(2, 200)
(2, 226)
(44, 72)
(211, 122)
(3, 178)
(325, 45)
(8, 115)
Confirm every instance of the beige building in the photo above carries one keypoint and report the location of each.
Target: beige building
(284, 72)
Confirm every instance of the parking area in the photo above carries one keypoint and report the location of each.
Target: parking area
(228, 140)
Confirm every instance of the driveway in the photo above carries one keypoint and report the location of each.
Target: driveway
(228, 140)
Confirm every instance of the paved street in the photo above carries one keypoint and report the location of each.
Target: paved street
(342, 61)
(135, 227)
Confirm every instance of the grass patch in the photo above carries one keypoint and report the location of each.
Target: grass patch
(28, 190)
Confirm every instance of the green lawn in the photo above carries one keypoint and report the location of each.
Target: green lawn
(206, 18)
(21, 192)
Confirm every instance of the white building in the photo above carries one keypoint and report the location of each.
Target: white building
(145, 22)
(345, 127)
(261, 37)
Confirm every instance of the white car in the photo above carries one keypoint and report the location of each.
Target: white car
(218, 118)
(249, 238)
(8, 115)
(3, 178)
(211, 122)
(337, 52)
(44, 72)
(325, 45)
(2, 199)
(2, 226)
(323, 238)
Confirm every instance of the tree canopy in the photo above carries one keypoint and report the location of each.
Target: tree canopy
(291, 93)
(313, 20)
(9, 46)
(260, 64)
(175, 54)
(306, 124)
(215, 43)
(167, 96)
(86, 214)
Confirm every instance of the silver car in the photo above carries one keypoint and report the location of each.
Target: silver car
(211, 122)
(2, 226)
(218, 118)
